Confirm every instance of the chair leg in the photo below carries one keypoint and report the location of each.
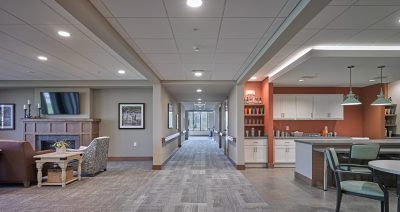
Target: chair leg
(338, 200)
(382, 206)
(386, 203)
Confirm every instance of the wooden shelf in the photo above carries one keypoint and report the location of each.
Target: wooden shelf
(253, 105)
(390, 125)
(253, 125)
(253, 115)
(390, 115)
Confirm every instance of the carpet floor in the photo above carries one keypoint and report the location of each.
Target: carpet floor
(197, 178)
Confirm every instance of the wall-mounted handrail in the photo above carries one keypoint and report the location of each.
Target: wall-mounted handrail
(170, 138)
(184, 132)
(216, 131)
(231, 139)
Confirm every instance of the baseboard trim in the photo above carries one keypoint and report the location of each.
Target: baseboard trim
(271, 165)
(130, 158)
(238, 167)
(302, 178)
(156, 167)
(159, 167)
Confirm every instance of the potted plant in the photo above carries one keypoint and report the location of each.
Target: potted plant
(61, 146)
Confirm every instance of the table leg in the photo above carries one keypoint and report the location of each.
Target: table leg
(63, 166)
(325, 173)
(398, 192)
(79, 168)
(39, 166)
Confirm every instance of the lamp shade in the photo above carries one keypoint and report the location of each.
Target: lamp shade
(351, 100)
(381, 100)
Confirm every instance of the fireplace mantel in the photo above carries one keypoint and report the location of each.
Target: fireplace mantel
(86, 129)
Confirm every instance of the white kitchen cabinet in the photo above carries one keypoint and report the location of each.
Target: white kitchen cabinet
(255, 151)
(285, 153)
(328, 107)
(284, 107)
(304, 107)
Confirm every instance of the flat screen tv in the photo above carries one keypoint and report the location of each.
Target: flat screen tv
(59, 103)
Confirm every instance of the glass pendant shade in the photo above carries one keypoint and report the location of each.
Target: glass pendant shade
(381, 100)
(351, 98)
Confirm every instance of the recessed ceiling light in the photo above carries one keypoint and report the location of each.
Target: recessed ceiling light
(199, 90)
(199, 102)
(194, 3)
(195, 29)
(43, 58)
(196, 48)
(253, 78)
(399, 20)
(301, 80)
(372, 80)
(121, 71)
(198, 99)
(64, 33)
(198, 73)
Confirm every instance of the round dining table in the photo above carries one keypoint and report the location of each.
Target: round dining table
(389, 166)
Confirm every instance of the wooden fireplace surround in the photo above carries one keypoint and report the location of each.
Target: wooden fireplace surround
(86, 129)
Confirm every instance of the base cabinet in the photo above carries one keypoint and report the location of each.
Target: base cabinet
(285, 153)
(255, 151)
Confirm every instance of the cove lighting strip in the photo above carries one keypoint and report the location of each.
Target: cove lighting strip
(300, 54)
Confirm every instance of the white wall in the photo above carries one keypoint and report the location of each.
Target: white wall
(161, 98)
(394, 92)
(19, 97)
(236, 124)
(105, 107)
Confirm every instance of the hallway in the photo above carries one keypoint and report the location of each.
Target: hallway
(200, 178)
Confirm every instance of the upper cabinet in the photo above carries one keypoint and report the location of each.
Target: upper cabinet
(328, 106)
(308, 107)
(284, 107)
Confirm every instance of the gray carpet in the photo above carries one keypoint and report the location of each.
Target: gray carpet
(197, 178)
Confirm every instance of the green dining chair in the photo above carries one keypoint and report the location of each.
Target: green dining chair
(371, 190)
(362, 154)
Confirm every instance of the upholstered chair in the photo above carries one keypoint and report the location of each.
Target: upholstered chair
(94, 156)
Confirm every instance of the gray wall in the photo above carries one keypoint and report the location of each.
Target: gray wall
(105, 107)
(19, 97)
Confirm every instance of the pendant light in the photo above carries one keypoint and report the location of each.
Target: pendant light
(381, 100)
(351, 98)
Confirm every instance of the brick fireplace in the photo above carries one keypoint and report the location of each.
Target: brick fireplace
(44, 142)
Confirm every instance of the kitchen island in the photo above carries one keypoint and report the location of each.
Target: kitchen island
(310, 155)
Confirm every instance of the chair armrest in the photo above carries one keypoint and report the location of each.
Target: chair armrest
(43, 152)
(352, 172)
(354, 165)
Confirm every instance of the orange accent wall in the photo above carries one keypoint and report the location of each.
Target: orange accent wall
(361, 120)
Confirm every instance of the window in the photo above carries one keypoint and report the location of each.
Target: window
(200, 120)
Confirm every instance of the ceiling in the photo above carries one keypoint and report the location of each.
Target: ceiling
(29, 29)
(227, 32)
(202, 106)
(341, 23)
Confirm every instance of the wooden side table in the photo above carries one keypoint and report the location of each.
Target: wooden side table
(62, 160)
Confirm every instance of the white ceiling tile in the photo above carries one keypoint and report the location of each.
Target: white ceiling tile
(23, 32)
(342, 2)
(378, 2)
(287, 9)
(206, 27)
(325, 17)
(168, 68)
(209, 8)
(360, 17)
(118, 27)
(101, 7)
(331, 37)
(6, 18)
(253, 8)
(197, 58)
(274, 26)
(244, 27)
(157, 45)
(174, 76)
(369, 37)
(230, 69)
(146, 27)
(32, 12)
(236, 45)
(226, 58)
(164, 58)
(197, 66)
(390, 22)
(204, 45)
(136, 8)
(133, 44)
(221, 76)
(190, 76)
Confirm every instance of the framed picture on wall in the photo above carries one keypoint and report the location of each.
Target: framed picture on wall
(7, 116)
(170, 116)
(131, 116)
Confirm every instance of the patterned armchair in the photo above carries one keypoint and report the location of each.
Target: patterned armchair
(94, 156)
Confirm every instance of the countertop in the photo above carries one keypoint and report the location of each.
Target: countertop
(314, 137)
(347, 141)
(261, 137)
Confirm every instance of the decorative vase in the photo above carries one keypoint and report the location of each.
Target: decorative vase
(61, 150)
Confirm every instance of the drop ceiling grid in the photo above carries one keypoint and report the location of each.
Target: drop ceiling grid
(72, 67)
(159, 41)
(337, 31)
